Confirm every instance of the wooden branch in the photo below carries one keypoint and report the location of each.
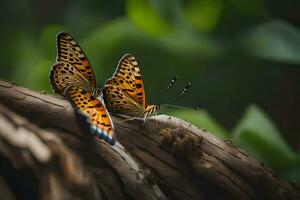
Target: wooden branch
(169, 160)
(132, 176)
(55, 171)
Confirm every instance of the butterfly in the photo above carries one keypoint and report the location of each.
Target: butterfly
(124, 93)
(72, 76)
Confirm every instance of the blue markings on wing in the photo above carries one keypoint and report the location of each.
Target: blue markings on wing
(94, 129)
(102, 134)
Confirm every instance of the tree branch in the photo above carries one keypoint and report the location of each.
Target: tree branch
(56, 172)
(169, 160)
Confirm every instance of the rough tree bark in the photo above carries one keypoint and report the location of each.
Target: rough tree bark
(46, 152)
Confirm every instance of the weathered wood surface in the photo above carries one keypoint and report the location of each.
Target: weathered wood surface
(163, 159)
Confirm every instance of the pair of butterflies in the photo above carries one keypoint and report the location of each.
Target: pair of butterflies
(73, 77)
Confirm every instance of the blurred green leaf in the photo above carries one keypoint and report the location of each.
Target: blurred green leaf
(258, 135)
(106, 38)
(144, 15)
(189, 44)
(170, 10)
(201, 119)
(276, 41)
(204, 15)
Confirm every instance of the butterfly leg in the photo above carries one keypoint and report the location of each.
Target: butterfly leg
(144, 120)
(129, 119)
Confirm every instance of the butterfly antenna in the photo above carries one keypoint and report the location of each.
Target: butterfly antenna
(185, 89)
(171, 83)
(182, 107)
(182, 93)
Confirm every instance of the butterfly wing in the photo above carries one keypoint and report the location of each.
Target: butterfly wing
(92, 108)
(64, 75)
(120, 102)
(70, 52)
(129, 79)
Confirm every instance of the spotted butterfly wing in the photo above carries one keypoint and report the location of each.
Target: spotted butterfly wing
(64, 75)
(69, 51)
(128, 77)
(73, 77)
(72, 67)
(92, 108)
(120, 102)
(124, 93)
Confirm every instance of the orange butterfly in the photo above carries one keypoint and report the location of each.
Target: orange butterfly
(124, 93)
(73, 77)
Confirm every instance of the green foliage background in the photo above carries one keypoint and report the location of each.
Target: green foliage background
(242, 58)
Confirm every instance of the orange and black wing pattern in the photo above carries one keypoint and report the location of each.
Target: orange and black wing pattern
(92, 108)
(128, 78)
(118, 101)
(69, 51)
(72, 76)
(72, 67)
(64, 75)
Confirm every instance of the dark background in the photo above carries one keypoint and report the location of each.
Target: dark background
(242, 57)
